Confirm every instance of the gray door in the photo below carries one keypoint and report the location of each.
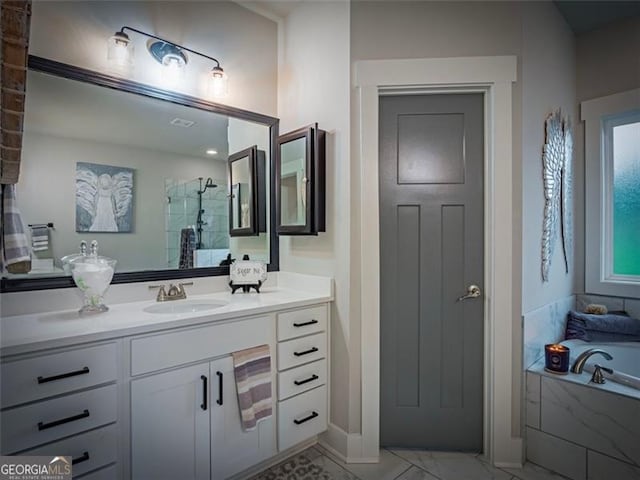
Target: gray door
(431, 252)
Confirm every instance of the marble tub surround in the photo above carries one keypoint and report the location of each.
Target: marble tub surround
(579, 429)
(26, 332)
(544, 325)
(629, 305)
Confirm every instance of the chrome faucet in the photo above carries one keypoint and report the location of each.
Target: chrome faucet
(578, 365)
(171, 293)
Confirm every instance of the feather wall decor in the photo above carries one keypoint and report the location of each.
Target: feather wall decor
(557, 159)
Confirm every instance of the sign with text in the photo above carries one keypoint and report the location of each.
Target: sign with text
(247, 272)
(21, 467)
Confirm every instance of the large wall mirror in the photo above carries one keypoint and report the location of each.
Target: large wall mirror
(143, 171)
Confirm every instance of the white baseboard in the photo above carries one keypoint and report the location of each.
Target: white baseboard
(346, 447)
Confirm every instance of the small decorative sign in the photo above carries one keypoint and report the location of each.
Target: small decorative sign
(247, 274)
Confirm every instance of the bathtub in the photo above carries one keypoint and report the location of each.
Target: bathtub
(574, 426)
(625, 363)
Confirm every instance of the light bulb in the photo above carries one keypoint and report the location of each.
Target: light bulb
(172, 69)
(120, 51)
(218, 83)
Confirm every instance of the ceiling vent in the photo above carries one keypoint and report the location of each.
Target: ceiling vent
(181, 122)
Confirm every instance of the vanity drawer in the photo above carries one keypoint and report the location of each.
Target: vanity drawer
(302, 417)
(89, 450)
(300, 322)
(168, 350)
(41, 377)
(301, 379)
(43, 422)
(301, 350)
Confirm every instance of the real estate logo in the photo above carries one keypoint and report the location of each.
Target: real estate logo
(35, 468)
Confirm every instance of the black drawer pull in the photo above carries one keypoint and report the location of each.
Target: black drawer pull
(306, 380)
(306, 352)
(63, 375)
(83, 458)
(220, 385)
(55, 423)
(306, 419)
(203, 405)
(304, 324)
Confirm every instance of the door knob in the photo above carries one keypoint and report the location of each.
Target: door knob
(473, 291)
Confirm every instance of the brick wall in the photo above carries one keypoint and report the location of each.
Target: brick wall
(14, 37)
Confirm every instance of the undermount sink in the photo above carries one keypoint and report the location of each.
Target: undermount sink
(183, 306)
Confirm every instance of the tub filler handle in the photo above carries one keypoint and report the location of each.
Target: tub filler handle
(598, 376)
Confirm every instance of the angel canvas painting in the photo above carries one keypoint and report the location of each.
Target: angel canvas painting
(104, 198)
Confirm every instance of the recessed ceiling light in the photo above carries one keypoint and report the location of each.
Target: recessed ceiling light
(211, 151)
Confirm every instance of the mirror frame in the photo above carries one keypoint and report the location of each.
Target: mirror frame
(51, 67)
(257, 212)
(315, 181)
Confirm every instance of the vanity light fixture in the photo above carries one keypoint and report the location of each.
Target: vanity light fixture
(170, 55)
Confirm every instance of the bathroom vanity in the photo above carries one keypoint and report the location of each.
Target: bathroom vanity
(137, 395)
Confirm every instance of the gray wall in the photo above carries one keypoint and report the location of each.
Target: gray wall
(387, 30)
(607, 62)
(46, 193)
(245, 43)
(314, 87)
(537, 34)
(548, 79)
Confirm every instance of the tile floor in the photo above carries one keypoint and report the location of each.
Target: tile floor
(401, 464)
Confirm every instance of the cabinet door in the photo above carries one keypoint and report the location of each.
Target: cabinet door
(170, 425)
(233, 449)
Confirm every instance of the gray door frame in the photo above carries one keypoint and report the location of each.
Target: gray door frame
(492, 76)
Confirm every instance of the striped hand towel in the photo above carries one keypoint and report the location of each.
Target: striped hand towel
(15, 256)
(252, 369)
(40, 238)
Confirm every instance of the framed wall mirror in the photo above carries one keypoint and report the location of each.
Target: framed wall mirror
(300, 182)
(247, 202)
(85, 131)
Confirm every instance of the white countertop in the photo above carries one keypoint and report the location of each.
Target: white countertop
(36, 331)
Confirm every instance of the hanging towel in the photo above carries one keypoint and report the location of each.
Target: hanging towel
(15, 255)
(39, 238)
(187, 246)
(252, 369)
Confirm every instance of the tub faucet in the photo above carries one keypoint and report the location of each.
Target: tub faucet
(578, 365)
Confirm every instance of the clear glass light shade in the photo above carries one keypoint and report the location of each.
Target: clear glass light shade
(218, 83)
(120, 51)
(173, 67)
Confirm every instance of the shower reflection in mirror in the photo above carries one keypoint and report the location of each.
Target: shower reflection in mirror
(197, 222)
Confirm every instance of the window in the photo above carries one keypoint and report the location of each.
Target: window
(622, 134)
(612, 217)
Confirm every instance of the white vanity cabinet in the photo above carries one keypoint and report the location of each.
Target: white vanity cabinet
(234, 450)
(185, 422)
(302, 374)
(63, 402)
(170, 426)
(160, 401)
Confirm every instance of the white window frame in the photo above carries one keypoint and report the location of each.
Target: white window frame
(600, 116)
